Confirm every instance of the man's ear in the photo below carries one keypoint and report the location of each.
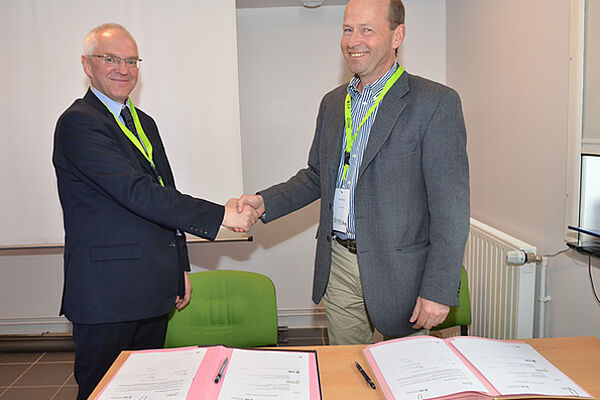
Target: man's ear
(398, 35)
(85, 62)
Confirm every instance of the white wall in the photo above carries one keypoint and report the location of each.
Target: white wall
(509, 61)
(287, 58)
(42, 75)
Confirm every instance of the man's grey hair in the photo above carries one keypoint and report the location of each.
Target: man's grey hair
(91, 39)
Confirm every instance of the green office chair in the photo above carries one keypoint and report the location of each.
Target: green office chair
(461, 315)
(232, 308)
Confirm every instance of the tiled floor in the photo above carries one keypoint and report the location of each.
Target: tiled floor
(49, 375)
(37, 376)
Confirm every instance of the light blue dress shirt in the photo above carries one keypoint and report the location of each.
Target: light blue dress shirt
(114, 106)
(359, 105)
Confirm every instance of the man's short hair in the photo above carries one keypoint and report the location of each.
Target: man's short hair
(91, 39)
(396, 13)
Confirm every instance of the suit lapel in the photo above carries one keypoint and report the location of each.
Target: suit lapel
(126, 144)
(91, 99)
(388, 113)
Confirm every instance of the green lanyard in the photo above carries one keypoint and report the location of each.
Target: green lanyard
(147, 146)
(350, 138)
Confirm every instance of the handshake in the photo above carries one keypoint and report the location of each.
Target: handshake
(242, 213)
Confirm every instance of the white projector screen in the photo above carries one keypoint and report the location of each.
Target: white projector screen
(188, 83)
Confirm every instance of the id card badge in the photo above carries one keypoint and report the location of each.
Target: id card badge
(341, 209)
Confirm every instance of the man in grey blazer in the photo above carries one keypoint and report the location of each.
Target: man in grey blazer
(389, 163)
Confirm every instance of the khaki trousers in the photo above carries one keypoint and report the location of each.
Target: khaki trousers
(348, 320)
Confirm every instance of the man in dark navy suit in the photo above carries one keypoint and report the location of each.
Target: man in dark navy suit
(125, 261)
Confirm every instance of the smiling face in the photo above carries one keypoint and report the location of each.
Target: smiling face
(368, 43)
(114, 81)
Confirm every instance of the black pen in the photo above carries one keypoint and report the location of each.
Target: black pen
(220, 374)
(364, 374)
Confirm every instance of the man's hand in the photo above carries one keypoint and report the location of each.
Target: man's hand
(253, 200)
(428, 314)
(239, 221)
(182, 302)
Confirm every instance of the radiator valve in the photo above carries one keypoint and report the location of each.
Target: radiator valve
(519, 257)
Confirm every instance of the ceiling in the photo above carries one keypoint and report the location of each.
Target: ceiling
(282, 3)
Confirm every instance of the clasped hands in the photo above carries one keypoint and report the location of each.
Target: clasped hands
(242, 213)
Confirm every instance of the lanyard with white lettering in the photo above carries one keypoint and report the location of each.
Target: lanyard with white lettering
(145, 147)
(348, 115)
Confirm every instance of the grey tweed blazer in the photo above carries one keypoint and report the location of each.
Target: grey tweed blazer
(411, 199)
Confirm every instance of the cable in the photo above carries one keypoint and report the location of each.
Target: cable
(592, 278)
(520, 257)
(557, 253)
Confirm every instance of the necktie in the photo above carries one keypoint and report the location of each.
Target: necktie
(126, 115)
(128, 119)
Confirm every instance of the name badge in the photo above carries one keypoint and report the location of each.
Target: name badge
(341, 209)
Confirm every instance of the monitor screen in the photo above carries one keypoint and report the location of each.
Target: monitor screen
(589, 207)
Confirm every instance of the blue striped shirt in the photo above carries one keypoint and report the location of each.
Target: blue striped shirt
(359, 105)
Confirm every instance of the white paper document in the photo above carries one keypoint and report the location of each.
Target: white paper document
(423, 369)
(515, 368)
(165, 375)
(282, 376)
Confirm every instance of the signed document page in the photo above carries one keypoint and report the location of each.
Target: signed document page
(156, 375)
(515, 368)
(422, 368)
(269, 375)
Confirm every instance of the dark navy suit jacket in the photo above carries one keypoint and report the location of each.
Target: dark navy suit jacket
(123, 260)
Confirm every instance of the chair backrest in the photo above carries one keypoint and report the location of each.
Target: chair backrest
(232, 308)
(461, 315)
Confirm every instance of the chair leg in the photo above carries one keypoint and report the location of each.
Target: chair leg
(464, 330)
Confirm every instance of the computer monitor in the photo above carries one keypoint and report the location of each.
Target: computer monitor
(588, 237)
(589, 205)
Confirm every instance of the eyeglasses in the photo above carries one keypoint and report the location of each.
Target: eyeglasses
(114, 61)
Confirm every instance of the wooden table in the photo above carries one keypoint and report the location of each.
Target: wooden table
(577, 357)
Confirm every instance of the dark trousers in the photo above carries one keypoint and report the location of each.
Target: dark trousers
(98, 345)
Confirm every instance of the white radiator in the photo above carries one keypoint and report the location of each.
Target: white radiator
(502, 295)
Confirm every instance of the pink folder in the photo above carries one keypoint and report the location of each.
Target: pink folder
(203, 384)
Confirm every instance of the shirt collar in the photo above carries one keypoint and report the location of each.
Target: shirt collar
(114, 106)
(376, 87)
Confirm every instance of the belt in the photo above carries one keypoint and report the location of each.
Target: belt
(350, 244)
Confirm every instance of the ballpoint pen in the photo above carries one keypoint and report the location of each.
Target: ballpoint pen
(364, 374)
(220, 374)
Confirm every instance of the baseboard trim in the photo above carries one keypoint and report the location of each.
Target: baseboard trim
(36, 343)
(42, 325)
(34, 325)
(64, 342)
